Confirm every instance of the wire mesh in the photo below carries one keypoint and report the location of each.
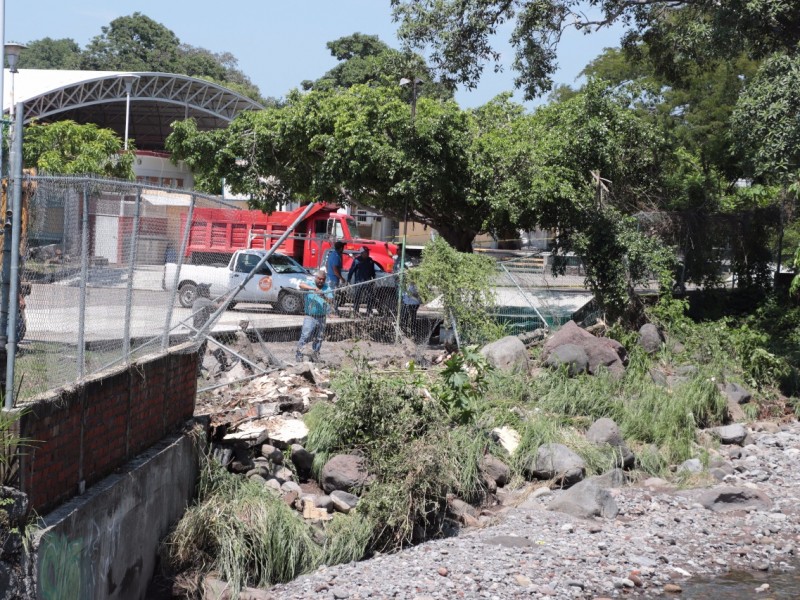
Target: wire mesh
(114, 270)
(530, 297)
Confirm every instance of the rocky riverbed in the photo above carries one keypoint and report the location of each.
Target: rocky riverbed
(744, 517)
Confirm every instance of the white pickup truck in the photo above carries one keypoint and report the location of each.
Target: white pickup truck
(273, 283)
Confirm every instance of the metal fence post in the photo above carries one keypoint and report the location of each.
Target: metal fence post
(16, 231)
(184, 243)
(84, 277)
(126, 338)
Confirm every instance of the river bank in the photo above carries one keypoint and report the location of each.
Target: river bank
(661, 537)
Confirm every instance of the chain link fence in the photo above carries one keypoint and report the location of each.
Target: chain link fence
(113, 270)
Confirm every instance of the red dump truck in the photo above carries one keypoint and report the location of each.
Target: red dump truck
(216, 233)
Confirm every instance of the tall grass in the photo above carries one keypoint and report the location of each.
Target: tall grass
(242, 531)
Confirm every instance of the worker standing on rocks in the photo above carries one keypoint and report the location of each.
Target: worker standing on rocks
(318, 302)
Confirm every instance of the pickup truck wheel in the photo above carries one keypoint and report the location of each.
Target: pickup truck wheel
(290, 303)
(187, 294)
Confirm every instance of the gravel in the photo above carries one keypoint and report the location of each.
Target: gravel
(661, 537)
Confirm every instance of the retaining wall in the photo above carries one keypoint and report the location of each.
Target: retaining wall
(103, 544)
(78, 435)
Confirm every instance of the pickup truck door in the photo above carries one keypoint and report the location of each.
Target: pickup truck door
(260, 288)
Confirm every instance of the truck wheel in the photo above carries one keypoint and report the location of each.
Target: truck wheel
(187, 294)
(290, 303)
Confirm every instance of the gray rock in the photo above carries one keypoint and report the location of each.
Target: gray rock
(507, 354)
(556, 461)
(15, 504)
(601, 352)
(302, 459)
(687, 371)
(343, 472)
(731, 434)
(496, 470)
(658, 377)
(604, 431)
(271, 453)
(323, 501)
(650, 338)
(343, 502)
(571, 355)
(290, 486)
(732, 498)
(736, 393)
(459, 508)
(614, 478)
(273, 485)
(693, 465)
(586, 499)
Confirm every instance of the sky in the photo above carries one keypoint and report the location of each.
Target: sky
(278, 43)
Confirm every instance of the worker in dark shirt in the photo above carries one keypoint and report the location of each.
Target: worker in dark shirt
(362, 272)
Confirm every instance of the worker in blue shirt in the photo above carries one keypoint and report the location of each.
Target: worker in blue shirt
(318, 301)
(362, 272)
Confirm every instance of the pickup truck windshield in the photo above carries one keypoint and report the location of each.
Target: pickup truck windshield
(285, 264)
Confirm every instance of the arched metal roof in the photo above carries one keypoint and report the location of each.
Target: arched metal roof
(157, 99)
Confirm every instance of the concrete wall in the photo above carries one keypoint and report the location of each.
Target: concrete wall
(78, 435)
(103, 544)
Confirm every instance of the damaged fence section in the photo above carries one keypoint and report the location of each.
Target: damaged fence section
(111, 271)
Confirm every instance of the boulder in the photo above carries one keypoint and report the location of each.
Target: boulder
(495, 470)
(586, 499)
(556, 461)
(605, 431)
(731, 434)
(650, 338)
(343, 502)
(302, 459)
(733, 498)
(343, 472)
(272, 454)
(736, 393)
(693, 465)
(601, 352)
(507, 354)
(571, 355)
(614, 478)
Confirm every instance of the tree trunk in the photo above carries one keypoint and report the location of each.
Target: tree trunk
(459, 239)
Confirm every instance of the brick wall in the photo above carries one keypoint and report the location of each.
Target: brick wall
(80, 434)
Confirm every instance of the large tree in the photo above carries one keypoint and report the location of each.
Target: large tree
(358, 146)
(460, 33)
(48, 53)
(367, 59)
(65, 147)
(138, 43)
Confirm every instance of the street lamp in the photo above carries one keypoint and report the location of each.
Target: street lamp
(12, 51)
(128, 81)
(413, 82)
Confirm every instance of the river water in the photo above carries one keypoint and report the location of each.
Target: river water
(739, 585)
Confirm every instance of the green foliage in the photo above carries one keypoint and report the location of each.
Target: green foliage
(766, 123)
(138, 43)
(460, 36)
(242, 531)
(404, 434)
(462, 384)
(365, 59)
(48, 53)
(464, 285)
(67, 148)
(355, 145)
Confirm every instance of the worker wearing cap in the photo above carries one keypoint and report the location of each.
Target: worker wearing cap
(361, 272)
(317, 304)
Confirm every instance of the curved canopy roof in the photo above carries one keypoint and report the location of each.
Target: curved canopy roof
(156, 100)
